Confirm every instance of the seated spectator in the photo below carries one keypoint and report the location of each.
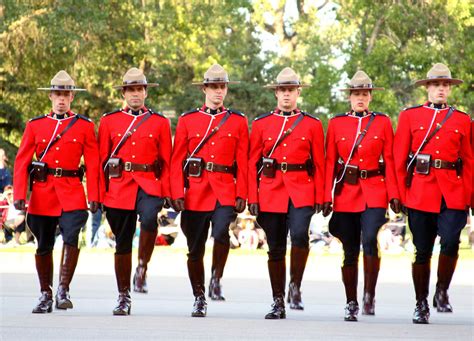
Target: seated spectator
(13, 220)
(5, 175)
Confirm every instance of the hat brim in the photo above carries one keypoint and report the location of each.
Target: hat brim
(148, 85)
(207, 83)
(56, 89)
(361, 88)
(274, 86)
(453, 81)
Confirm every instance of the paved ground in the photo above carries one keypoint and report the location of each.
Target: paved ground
(165, 312)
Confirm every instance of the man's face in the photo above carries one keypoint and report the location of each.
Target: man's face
(287, 97)
(438, 91)
(135, 96)
(61, 100)
(360, 100)
(215, 93)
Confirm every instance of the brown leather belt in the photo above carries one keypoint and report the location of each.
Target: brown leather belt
(364, 173)
(138, 167)
(290, 167)
(213, 167)
(441, 164)
(59, 172)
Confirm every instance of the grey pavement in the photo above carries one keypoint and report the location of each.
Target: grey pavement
(164, 313)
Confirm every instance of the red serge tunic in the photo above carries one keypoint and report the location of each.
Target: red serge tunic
(150, 142)
(374, 191)
(305, 142)
(229, 144)
(58, 194)
(451, 142)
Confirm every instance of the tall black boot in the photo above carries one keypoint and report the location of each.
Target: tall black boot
(69, 257)
(421, 280)
(219, 258)
(123, 271)
(446, 267)
(44, 268)
(299, 257)
(146, 246)
(371, 273)
(277, 271)
(349, 278)
(196, 277)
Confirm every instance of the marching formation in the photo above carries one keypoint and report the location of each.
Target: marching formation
(286, 170)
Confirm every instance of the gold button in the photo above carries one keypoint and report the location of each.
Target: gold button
(284, 157)
(360, 146)
(212, 156)
(60, 122)
(119, 135)
(437, 152)
(284, 144)
(459, 176)
(212, 143)
(44, 140)
(197, 135)
(456, 131)
(57, 161)
(269, 138)
(303, 138)
(376, 137)
(343, 139)
(57, 148)
(134, 130)
(133, 156)
(74, 140)
(229, 134)
(309, 180)
(156, 179)
(421, 128)
(382, 180)
(361, 160)
(151, 135)
(133, 143)
(437, 137)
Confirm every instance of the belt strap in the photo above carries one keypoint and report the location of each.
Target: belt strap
(138, 167)
(441, 164)
(364, 173)
(213, 167)
(290, 167)
(59, 172)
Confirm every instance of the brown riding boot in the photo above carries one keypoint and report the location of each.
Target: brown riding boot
(277, 271)
(421, 280)
(371, 273)
(69, 258)
(298, 259)
(219, 257)
(349, 278)
(146, 246)
(44, 268)
(123, 271)
(196, 277)
(446, 267)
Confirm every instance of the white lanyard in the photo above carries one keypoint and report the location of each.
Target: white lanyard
(50, 141)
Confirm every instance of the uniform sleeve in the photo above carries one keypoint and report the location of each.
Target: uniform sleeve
(401, 149)
(22, 161)
(255, 154)
(105, 146)
(390, 177)
(467, 160)
(242, 154)
(472, 149)
(164, 151)
(91, 160)
(180, 151)
(319, 162)
(331, 157)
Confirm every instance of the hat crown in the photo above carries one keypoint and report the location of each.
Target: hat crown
(360, 79)
(215, 73)
(288, 75)
(62, 78)
(134, 75)
(439, 70)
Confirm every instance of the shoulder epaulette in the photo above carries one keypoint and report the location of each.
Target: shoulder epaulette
(112, 112)
(38, 117)
(190, 112)
(153, 112)
(462, 112)
(309, 115)
(263, 115)
(414, 107)
(84, 117)
(377, 113)
(340, 115)
(235, 112)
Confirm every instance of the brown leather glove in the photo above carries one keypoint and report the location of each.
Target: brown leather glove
(395, 205)
(327, 209)
(19, 204)
(94, 206)
(167, 203)
(178, 204)
(254, 209)
(317, 208)
(239, 205)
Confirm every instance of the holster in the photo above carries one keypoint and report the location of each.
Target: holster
(352, 174)
(194, 166)
(459, 167)
(115, 167)
(339, 169)
(423, 164)
(309, 167)
(410, 170)
(82, 171)
(38, 172)
(157, 169)
(269, 167)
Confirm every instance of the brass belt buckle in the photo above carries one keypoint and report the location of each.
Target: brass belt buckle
(437, 163)
(210, 166)
(363, 174)
(128, 166)
(284, 167)
(58, 172)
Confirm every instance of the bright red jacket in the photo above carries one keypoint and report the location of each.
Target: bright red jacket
(150, 142)
(451, 142)
(58, 194)
(305, 142)
(377, 144)
(229, 144)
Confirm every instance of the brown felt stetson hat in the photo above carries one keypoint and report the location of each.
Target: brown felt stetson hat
(134, 76)
(439, 72)
(215, 74)
(287, 78)
(62, 82)
(360, 81)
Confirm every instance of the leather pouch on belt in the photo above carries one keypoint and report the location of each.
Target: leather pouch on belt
(157, 168)
(195, 166)
(39, 171)
(269, 167)
(351, 175)
(423, 164)
(115, 167)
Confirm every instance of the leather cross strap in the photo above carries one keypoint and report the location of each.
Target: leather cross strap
(130, 132)
(287, 132)
(58, 137)
(438, 127)
(211, 134)
(364, 132)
